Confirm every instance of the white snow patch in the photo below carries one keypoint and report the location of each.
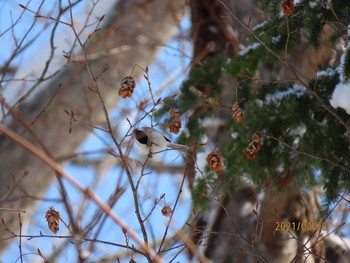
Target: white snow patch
(280, 168)
(276, 39)
(234, 135)
(328, 4)
(204, 139)
(248, 48)
(259, 25)
(259, 103)
(298, 131)
(296, 142)
(341, 97)
(313, 4)
(342, 61)
(325, 73)
(296, 89)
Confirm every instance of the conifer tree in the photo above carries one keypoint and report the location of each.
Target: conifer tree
(300, 131)
(287, 126)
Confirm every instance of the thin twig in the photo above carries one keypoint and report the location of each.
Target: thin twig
(20, 237)
(57, 168)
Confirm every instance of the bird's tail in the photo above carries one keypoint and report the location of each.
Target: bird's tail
(178, 147)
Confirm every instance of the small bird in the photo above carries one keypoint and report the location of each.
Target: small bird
(152, 141)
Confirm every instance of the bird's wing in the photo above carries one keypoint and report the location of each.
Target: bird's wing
(150, 130)
(166, 138)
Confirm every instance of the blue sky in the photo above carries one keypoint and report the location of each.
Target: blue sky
(168, 71)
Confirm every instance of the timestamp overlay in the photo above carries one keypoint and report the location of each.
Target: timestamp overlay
(300, 226)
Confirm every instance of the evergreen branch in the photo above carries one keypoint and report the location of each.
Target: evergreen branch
(292, 149)
(291, 68)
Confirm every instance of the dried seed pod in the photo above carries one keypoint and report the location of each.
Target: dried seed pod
(288, 7)
(53, 218)
(250, 153)
(253, 147)
(127, 87)
(237, 113)
(175, 126)
(214, 161)
(167, 211)
(255, 140)
(175, 114)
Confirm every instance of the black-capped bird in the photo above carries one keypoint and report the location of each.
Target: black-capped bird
(151, 141)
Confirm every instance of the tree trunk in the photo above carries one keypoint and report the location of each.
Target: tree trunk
(140, 26)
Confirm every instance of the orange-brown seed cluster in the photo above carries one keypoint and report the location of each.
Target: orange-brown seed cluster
(237, 113)
(214, 161)
(53, 218)
(253, 147)
(175, 126)
(288, 7)
(127, 87)
(167, 211)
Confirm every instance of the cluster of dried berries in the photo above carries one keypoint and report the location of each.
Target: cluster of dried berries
(214, 161)
(53, 218)
(175, 126)
(237, 113)
(167, 211)
(253, 147)
(288, 7)
(127, 87)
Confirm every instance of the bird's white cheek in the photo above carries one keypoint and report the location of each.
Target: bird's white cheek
(141, 147)
(146, 150)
